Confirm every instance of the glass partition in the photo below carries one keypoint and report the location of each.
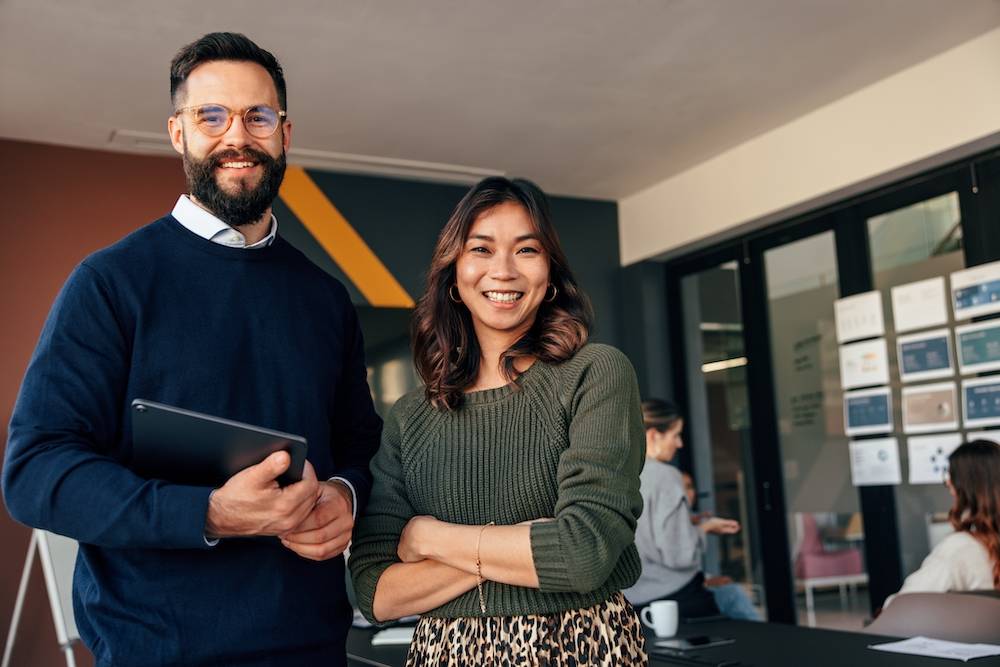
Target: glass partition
(718, 424)
(920, 241)
(823, 513)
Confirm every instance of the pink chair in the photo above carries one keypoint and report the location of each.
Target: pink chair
(815, 567)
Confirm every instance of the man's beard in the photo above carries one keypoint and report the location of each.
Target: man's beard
(248, 203)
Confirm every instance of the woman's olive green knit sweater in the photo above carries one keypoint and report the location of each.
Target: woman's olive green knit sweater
(566, 443)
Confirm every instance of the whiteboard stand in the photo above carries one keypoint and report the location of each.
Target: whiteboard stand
(58, 557)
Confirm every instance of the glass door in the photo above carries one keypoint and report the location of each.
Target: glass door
(718, 423)
(823, 513)
(910, 243)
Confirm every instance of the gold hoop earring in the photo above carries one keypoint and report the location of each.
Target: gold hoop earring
(455, 298)
(555, 293)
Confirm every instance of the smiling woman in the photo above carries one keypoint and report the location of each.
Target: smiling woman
(506, 490)
(499, 283)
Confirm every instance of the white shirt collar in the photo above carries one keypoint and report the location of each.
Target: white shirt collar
(199, 221)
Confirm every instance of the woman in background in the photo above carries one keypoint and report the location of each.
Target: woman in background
(506, 491)
(670, 545)
(969, 558)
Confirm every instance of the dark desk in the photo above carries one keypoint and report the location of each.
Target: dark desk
(777, 645)
(757, 644)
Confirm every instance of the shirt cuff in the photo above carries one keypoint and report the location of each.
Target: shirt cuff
(354, 494)
(209, 542)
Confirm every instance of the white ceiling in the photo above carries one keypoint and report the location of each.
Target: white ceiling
(596, 98)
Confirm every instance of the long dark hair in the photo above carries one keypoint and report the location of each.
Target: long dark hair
(445, 348)
(974, 469)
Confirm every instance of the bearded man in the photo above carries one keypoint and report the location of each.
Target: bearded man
(208, 309)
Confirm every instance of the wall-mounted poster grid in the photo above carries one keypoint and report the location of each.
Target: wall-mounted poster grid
(928, 456)
(925, 356)
(864, 364)
(981, 402)
(978, 347)
(875, 462)
(928, 408)
(976, 291)
(859, 316)
(868, 411)
(920, 305)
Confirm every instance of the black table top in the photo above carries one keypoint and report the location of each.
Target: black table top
(778, 645)
(757, 645)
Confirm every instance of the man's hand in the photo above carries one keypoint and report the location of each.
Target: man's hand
(326, 531)
(252, 503)
(719, 526)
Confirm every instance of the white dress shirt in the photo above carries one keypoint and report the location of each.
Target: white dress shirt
(199, 221)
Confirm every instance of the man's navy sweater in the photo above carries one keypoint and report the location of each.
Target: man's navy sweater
(260, 336)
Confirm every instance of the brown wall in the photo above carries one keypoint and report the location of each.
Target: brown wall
(58, 206)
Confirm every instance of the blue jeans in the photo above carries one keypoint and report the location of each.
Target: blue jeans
(734, 602)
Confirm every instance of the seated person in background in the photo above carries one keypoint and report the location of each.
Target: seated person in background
(730, 597)
(669, 543)
(969, 558)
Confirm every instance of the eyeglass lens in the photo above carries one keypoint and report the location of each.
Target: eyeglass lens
(214, 119)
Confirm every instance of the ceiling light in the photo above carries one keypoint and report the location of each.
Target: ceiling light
(713, 366)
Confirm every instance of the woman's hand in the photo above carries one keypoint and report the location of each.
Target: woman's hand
(415, 535)
(719, 526)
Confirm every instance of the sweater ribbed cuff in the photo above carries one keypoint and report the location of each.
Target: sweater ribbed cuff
(546, 550)
(183, 522)
(364, 590)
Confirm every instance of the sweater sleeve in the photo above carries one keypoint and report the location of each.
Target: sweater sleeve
(946, 568)
(59, 473)
(679, 543)
(598, 475)
(356, 426)
(376, 535)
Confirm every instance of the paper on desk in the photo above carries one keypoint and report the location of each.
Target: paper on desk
(393, 636)
(938, 648)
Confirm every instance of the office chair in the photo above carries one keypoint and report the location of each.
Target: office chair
(956, 617)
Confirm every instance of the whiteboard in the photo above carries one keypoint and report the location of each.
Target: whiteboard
(58, 556)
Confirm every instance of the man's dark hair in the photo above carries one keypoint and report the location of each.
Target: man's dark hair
(223, 46)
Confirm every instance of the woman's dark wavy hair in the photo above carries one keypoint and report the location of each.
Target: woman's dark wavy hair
(445, 349)
(974, 469)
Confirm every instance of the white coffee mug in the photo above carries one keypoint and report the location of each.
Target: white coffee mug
(661, 616)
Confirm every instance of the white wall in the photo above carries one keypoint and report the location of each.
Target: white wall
(932, 108)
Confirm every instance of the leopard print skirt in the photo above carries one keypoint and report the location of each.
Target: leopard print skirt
(605, 634)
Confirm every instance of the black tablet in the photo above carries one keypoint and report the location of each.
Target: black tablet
(189, 447)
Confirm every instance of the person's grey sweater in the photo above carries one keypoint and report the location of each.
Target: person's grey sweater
(670, 546)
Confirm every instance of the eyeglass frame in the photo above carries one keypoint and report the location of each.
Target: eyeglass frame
(282, 117)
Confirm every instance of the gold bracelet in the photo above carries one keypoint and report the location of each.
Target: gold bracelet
(479, 568)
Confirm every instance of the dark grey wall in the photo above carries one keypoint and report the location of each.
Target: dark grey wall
(400, 221)
(644, 324)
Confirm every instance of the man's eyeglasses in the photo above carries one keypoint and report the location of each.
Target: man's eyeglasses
(214, 120)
